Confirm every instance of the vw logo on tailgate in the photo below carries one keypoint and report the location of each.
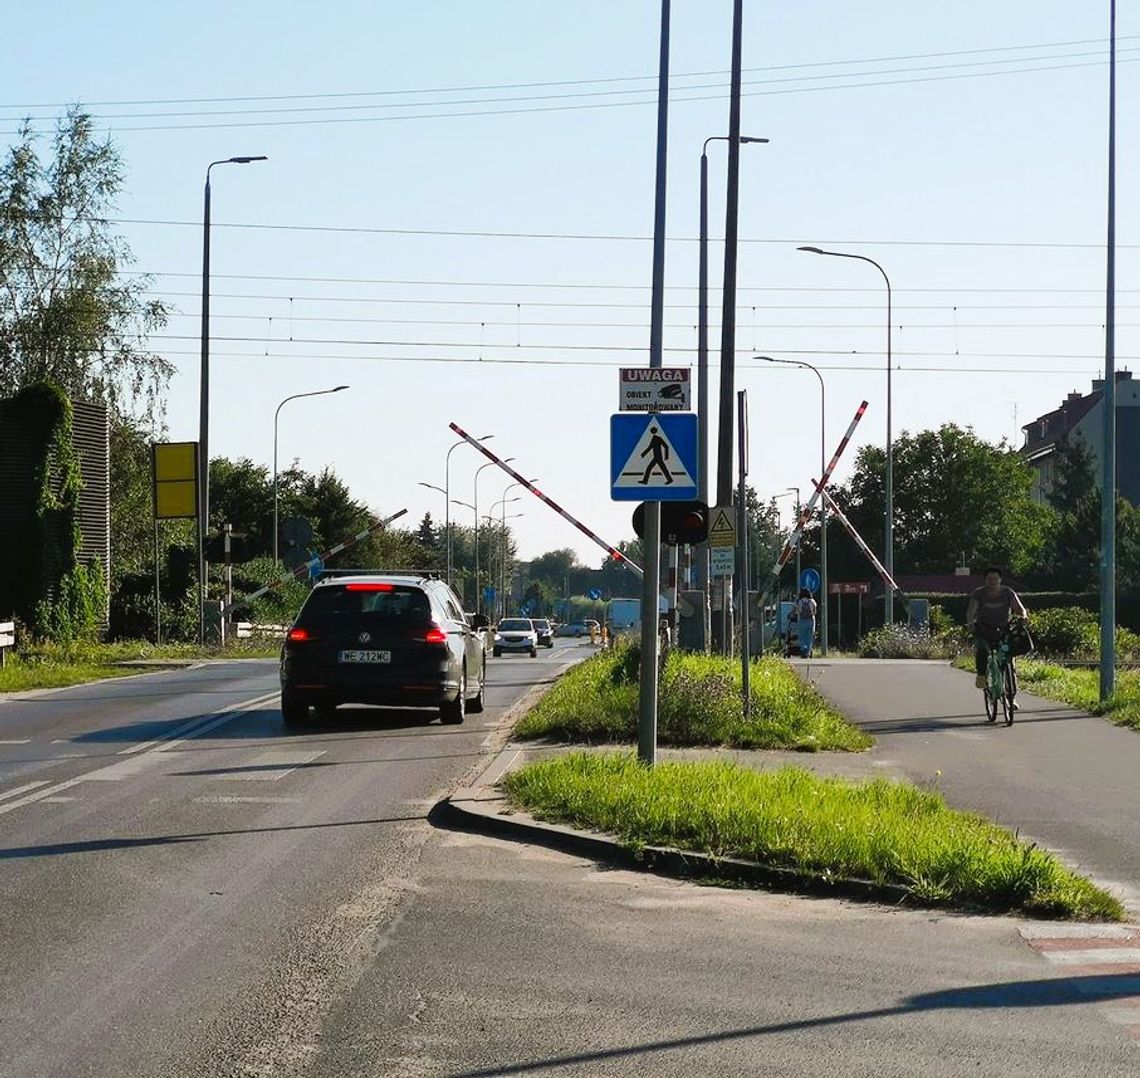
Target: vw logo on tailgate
(365, 638)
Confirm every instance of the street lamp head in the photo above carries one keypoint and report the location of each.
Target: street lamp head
(811, 250)
(337, 389)
(752, 138)
(245, 160)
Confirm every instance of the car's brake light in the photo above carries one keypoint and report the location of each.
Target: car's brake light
(435, 635)
(369, 587)
(298, 635)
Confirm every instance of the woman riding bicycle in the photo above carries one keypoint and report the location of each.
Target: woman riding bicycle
(991, 607)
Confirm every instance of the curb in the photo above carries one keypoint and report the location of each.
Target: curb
(477, 810)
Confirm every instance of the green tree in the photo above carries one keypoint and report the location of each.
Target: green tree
(553, 569)
(241, 495)
(66, 312)
(955, 495)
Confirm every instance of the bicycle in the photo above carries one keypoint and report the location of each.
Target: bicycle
(1001, 687)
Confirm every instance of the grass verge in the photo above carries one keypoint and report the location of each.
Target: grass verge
(699, 703)
(1079, 687)
(889, 833)
(52, 666)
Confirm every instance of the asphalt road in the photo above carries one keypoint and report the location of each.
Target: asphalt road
(1059, 776)
(184, 884)
(191, 892)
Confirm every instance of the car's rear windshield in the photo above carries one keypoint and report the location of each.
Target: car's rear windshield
(394, 604)
(541, 623)
(516, 625)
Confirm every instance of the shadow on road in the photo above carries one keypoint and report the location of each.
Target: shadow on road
(918, 724)
(1041, 993)
(56, 849)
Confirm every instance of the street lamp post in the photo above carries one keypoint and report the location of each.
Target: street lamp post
(703, 350)
(503, 517)
(277, 412)
(506, 490)
(204, 396)
(475, 507)
(889, 539)
(823, 633)
(447, 497)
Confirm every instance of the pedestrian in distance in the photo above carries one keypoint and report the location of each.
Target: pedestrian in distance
(805, 619)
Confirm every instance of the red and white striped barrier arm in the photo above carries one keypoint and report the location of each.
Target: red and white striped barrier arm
(805, 515)
(879, 568)
(613, 551)
(317, 559)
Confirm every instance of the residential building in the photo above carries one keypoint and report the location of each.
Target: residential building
(1083, 416)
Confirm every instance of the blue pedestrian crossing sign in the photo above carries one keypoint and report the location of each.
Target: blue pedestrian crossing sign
(810, 579)
(653, 457)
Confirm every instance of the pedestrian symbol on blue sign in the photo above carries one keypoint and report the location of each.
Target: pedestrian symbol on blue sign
(653, 457)
(810, 579)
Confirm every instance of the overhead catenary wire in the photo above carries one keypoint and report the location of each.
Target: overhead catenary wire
(674, 77)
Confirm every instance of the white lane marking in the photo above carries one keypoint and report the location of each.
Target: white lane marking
(15, 741)
(1094, 956)
(273, 765)
(220, 800)
(1049, 930)
(190, 729)
(22, 789)
(198, 725)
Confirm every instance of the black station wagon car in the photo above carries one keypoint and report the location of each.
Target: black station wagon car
(390, 639)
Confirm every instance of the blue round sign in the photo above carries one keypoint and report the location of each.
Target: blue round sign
(810, 579)
(595, 594)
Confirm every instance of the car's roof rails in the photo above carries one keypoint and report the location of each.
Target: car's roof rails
(424, 574)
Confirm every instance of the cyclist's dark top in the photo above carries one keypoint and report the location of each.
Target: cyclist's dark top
(993, 613)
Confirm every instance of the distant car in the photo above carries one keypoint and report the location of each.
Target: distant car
(545, 632)
(574, 628)
(395, 639)
(516, 634)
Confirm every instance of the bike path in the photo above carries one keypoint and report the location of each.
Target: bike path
(1059, 776)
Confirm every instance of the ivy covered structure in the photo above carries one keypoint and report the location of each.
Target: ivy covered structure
(54, 513)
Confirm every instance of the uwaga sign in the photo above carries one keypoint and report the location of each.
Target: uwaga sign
(654, 389)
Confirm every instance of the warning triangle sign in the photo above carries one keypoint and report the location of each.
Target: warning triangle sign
(653, 463)
(722, 528)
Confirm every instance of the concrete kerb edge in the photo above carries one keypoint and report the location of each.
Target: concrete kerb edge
(475, 809)
(484, 817)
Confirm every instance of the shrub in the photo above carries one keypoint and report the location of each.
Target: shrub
(903, 642)
(1067, 632)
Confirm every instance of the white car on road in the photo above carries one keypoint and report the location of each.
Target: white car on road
(516, 634)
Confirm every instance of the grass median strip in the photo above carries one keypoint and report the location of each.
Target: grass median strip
(889, 833)
(699, 704)
(53, 666)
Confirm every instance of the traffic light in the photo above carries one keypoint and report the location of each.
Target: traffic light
(242, 548)
(682, 523)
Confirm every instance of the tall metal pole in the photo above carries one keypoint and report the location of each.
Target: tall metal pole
(204, 414)
(703, 567)
(728, 298)
(651, 576)
(204, 396)
(745, 641)
(478, 591)
(889, 525)
(1108, 487)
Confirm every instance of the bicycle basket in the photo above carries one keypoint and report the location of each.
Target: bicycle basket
(1020, 642)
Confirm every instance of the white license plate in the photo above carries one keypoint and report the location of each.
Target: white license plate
(365, 656)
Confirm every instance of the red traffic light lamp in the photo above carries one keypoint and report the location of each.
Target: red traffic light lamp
(682, 523)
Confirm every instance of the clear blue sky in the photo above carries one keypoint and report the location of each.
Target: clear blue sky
(893, 134)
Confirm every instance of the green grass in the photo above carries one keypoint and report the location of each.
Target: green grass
(886, 832)
(52, 666)
(699, 703)
(1078, 686)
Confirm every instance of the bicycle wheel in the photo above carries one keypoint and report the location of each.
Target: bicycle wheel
(1007, 693)
(991, 706)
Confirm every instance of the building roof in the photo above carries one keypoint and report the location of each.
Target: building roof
(1045, 431)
